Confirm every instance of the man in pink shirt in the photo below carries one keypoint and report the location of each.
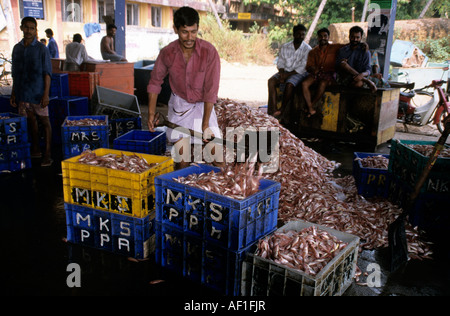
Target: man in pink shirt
(193, 66)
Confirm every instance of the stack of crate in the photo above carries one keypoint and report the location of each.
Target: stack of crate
(406, 166)
(205, 236)
(62, 104)
(110, 209)
(14, 146)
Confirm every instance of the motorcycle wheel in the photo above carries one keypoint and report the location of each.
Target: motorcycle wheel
(440, 124)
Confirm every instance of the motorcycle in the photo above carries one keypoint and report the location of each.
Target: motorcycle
(419, 107)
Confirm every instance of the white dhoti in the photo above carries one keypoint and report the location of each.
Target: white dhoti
(189, 115)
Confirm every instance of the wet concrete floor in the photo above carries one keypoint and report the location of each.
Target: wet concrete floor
(35, 255)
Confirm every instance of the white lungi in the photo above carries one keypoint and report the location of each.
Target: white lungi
(189, 115)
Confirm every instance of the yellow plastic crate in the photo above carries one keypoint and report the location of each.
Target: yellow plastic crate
(112, 190)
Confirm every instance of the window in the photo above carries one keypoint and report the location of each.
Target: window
(132, 14)
(156, 16)
(71, 11)
(105, 8)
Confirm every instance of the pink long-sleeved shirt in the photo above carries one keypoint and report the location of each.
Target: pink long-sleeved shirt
(195, 81)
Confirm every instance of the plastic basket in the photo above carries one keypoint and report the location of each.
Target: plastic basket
(117, 191)
(370, 182)
(120, 126)
(200, 261)
(263, 277)
(76, 139)
(15, 157)
(120, 234)
(142, 142)
(114, 103)
(83, 83)
(229, 223)
(13, 130)
(59, 86)
(407, 164)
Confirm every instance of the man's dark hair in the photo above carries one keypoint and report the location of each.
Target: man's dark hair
(299, 27)
(356, 29)
(185, 16)
(49, 32)
(28, 19)
(77, 38)
(111, 26)
(324, 29)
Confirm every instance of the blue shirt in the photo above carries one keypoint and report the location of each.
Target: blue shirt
(357, 58)
(29, 67)
(53, 48)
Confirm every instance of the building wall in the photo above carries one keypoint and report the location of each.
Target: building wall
(143, 41)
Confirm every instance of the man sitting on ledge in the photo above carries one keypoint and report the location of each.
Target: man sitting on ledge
(353, 63)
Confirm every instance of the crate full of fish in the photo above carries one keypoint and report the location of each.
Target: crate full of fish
(80, 133)
(230, 207)
(15, 157)
(370, 171)
(408, 158)
(142, 142)
(301, 259)
(13, 129)
(199, 260)
(117, 233)
(112, 180)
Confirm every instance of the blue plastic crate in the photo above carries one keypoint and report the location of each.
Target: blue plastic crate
(5, 105)
(59, 86)
(370, 182)
(14, 130)
(120, 234)
(76, 139)
(230, 223)
(121, 126)
(201, 261)
(61, 107)
(15, 157)
(139, 141)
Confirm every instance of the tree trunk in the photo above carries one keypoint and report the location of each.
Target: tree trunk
(316, 19)
(213, 8)
(422, 14)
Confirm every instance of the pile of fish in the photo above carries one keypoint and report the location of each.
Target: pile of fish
(86, 122)
(132, 163)
(308, 189)
(236, 181)
(427, 150)
(308, 250)
(377, 162)
(4, 117)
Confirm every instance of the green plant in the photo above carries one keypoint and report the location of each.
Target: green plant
(437, 50)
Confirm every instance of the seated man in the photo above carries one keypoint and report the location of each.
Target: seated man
(291, 71)
(76, 54)
(107, 45)
(353, 63)
(321, 69)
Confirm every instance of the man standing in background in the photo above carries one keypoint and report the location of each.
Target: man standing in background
(31, 72)
(52, 45)
(76, 54)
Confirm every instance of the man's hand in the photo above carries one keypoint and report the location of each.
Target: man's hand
(12, 101)
(45, 101)
(152, 121)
